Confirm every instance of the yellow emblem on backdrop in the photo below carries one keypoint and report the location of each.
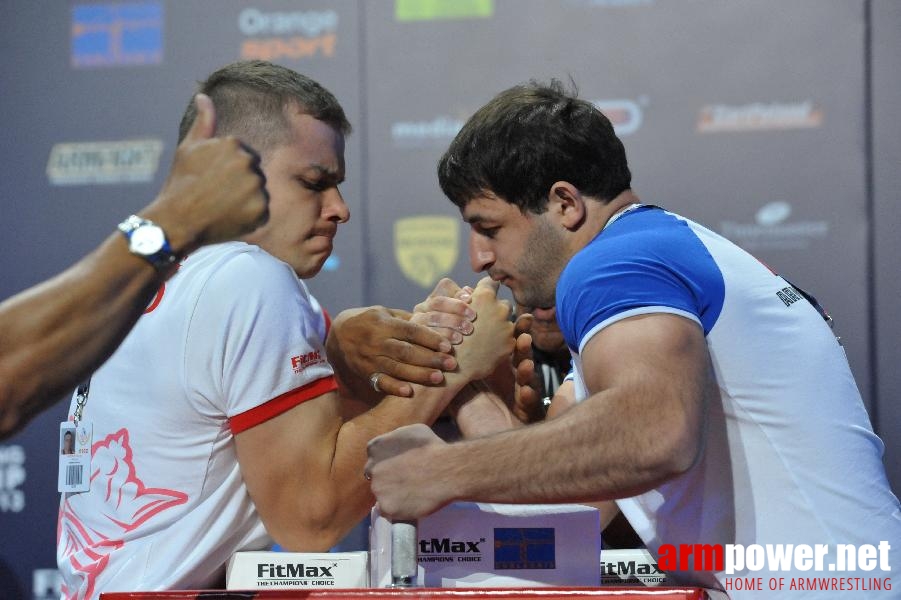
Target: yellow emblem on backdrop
(426, 247)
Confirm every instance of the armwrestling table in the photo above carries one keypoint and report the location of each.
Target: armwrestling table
(540, 593)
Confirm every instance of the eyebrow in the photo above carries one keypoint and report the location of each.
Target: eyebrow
(476, 218)
(323, 172)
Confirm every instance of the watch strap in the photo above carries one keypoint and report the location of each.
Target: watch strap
(163, 257)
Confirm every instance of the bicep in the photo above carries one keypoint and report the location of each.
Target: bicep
(657, 371)
(285, 461)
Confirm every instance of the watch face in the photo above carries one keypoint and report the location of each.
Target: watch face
(147, 240)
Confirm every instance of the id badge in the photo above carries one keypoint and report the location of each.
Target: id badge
(74, 456)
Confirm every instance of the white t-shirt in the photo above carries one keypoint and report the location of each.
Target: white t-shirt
(233, 339)
(790, 455)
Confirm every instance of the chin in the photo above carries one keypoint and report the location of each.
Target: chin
(312, 270)
(307, 273)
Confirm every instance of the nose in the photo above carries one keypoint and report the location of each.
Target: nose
(481, 257)
(334, 208)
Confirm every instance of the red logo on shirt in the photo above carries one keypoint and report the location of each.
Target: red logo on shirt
(299, 363)
(156, 299)
(160, 293)
(123, 504)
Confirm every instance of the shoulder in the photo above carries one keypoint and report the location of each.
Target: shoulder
(646, 261)
(642, 231)
(241, 280)
(239, 268)
(237, 259)
(645, 242)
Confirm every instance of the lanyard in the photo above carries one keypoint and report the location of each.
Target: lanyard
(81, 399)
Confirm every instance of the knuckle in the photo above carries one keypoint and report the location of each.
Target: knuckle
(405, 352)
(445, 283)
(437, 319)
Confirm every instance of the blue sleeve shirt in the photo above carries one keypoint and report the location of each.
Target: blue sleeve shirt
(646, 261)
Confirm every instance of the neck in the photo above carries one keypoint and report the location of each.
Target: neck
(600, 214)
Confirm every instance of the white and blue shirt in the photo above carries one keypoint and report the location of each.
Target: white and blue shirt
(790, 455)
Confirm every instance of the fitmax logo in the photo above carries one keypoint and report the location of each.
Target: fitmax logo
(628, 568)
(292, 571)
(446, 545)
(299, 363)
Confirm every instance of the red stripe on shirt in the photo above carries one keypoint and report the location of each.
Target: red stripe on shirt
(279, 404)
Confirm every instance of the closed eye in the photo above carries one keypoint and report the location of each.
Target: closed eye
(488, 232)
(319, 185)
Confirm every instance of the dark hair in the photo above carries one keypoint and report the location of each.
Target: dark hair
(250, 99)
(528, 137)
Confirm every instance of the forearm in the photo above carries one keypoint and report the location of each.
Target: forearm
(55, 334)
(347, 495)
(478, 412)
(341, 495)
(590, 453)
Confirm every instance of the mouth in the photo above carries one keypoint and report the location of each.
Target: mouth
(325, 233)
(545, 314)
(500, 278)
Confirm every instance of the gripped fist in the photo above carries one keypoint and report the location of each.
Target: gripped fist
(385, 341)
(491, 341)
(447, 311)
(398, 477)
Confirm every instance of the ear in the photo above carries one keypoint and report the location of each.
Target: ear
(566, 201)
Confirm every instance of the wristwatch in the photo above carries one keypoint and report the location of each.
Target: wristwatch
(147, 240)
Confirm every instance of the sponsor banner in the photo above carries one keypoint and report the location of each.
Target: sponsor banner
(772, 229)
(431, 10)
(12, 476)
(496, 545)
(630, 567)
(437, 132)
(299, 34)
(524, 548)
(303, 570)
(83, 163)
(625, 115)
(757, 116)
(117, 34)
(426, 247)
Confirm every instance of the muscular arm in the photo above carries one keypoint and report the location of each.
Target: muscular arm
(489, 414)
(304, 468)
(55, 334)
(649, 378)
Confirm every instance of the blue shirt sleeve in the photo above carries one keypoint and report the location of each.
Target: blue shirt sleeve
(647, 261)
